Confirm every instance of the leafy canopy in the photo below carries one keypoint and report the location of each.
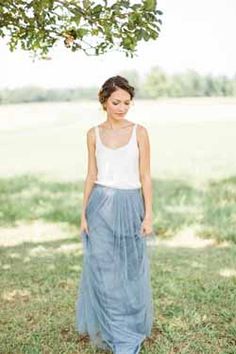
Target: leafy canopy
(92, 26)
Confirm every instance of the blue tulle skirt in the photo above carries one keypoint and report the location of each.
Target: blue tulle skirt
(114, 303)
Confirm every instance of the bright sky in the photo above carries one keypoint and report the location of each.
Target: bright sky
(197, 35)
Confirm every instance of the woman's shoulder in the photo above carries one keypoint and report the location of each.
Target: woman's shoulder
(91, 130)
(141, 129)
(142, 134)
(91, 134)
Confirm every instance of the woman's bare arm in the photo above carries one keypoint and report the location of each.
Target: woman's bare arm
(144, 169)
(91, 170)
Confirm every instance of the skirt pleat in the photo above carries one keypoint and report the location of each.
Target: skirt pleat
(114, 303)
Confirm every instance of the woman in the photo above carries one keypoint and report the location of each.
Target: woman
(114, 303)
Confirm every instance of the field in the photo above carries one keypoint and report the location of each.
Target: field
(190, 138)
(193, 256)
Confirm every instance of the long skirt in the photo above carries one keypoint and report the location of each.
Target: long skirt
(114, 304)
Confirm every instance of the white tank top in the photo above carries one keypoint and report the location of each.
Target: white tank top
(118, 167)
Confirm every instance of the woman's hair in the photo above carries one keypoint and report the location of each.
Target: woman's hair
(111, 85)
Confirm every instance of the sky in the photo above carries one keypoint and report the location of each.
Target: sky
(198, 35)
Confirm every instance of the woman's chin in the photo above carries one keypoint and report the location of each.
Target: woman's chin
(119, 116)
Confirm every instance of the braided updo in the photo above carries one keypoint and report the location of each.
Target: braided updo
(111, 85)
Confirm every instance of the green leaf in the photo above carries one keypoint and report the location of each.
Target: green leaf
(97, 10)
(149, 5)
(146, 35)
(81, 32)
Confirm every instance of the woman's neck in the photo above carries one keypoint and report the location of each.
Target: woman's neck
(113, 124)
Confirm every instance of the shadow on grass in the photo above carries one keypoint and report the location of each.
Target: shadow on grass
(176, 204)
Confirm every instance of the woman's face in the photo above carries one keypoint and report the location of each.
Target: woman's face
(117, 104)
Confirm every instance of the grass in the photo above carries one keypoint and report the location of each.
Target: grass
(176, 204)
(194, 301)
(190, 137)
(26, 198)
(194, 290)
(220, 210)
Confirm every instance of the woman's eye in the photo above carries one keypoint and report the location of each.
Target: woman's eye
(116, 103)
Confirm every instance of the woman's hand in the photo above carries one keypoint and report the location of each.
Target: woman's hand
(83, 225)
(146, 226)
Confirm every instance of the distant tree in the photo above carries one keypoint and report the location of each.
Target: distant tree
(186, 84)
(189, 83)
(213, 86)
(156, 83)
(94, 27)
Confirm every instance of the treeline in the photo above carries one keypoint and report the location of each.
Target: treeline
(155, 84)
(39, 94)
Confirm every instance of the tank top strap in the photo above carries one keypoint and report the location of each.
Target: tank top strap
(134, 134)
(97, 135)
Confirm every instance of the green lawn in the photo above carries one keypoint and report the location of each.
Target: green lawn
(43, 154)
(176, 204)
(194, 296)
(194, 289)
(189, 137)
